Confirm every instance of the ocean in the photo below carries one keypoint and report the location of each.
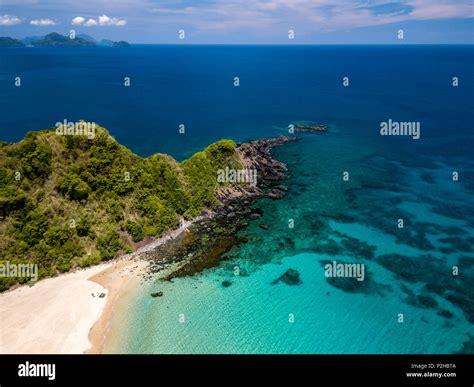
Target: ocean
(412, 299)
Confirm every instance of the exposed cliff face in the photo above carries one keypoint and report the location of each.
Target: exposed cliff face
(207, 242)
(256, 155)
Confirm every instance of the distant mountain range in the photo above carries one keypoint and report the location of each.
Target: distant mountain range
(57, 40)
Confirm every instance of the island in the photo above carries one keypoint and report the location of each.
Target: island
(76, 202)
(69, 200)
(10, 42)
(121, 43)
(55, 39)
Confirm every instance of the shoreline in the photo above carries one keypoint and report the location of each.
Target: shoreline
(90, 319)
(120, 279)
(65, 314)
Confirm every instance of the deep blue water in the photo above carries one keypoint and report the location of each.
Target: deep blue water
(410, 269)
(194, 85)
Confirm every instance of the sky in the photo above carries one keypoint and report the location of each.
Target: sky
(246, 21)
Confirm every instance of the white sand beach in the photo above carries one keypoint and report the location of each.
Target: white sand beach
(64, 314)
(53, 316)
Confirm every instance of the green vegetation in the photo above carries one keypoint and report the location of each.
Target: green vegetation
(70, 201)
(56, 40)
(10, 42)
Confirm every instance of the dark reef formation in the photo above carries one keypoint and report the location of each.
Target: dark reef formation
(289, 277)
(310, 128)
(352, 285)
(205, 244)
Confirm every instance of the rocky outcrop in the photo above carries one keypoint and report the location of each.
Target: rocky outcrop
(310, 128)
(208, 241)
(289, 277)
(256, 155)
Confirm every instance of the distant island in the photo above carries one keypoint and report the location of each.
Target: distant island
(57, 40)
(10, 42)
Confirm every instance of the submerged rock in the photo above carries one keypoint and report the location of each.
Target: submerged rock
(426, 177)
(349, 285)
(445, 313)
(226, 284)
(290, 277)
(313, 128)
(468, 346)
(157, 294)
(353, 284)
(427, 301)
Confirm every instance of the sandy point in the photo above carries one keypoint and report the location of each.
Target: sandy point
(119, 279)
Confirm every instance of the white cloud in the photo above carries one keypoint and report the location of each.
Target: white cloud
(103, 20)
(90, 23)
(42, 22)
(309, 15)
(441, 9)
(78, 20)
(8, 20)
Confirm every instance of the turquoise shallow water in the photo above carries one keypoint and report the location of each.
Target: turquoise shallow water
(252, 316)
(334, 220)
